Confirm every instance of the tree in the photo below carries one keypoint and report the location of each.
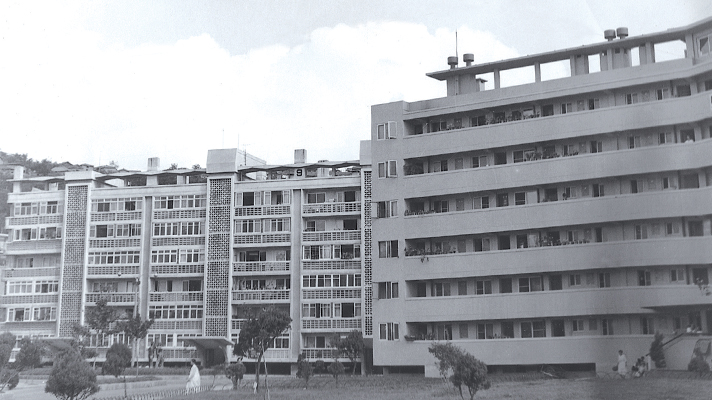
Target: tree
(460, 368)
(656, 351)
(71, 378)
(304, 370)
(258, 334)
(196, 166)
(81, 335)
(235, 372)
(100, 319)
(352, 347)
(30, 355)
(118, 358)
(173, 166)
(335, 369)
(135, 328)
(8, 376)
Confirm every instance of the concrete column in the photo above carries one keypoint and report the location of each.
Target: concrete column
(690, 46)
(496, 78)
(609, 58)
(537, 70)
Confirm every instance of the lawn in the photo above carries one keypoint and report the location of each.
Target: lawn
(408, 387)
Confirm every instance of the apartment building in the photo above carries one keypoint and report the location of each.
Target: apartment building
(196, 250)
(548, 221)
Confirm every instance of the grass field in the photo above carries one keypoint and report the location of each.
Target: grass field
(408, 387)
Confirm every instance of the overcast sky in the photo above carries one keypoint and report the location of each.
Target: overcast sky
(92, 82)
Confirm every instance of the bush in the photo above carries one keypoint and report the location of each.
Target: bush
(336, 368)
(656, 351)
(72, 378)
(235, 372)
(118, 358)
(10, 378)
(698, 363)
(319, 367)
(463, 367)
(304, 370)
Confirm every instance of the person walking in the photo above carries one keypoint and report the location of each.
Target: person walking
(622, 367)
(194, 378)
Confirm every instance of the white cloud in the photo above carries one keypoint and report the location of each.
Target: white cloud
(68, 96)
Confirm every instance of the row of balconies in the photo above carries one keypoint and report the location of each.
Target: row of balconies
(253, 267)
(179, 269)
(34, 220)
(348, 324)
(52, 272)
(10, 299)
(277, 295)
(177, 324)
(116, 216)
(259, 238)
(180, 214)
(332, 208)
(175, 296)
(112, 270)
(543, 304)
(251, 211)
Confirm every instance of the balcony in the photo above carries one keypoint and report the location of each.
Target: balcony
(320, 265)
(331, 236)
(34, 246)
(629, 253)
(112, 270)
(557, 127)
(552, 303)
(177, 324)
(346, 324)
(643, 160)
(251, 267)
(332, 208)
(36, 327)
(311, 294)
(112, 243)
(279, 295)
(9, 299)
(250, 211)
(175, 296)
(34, 220)
(321, 354)
(180, 214)
(30, 272)
(238, 324)
(179, 353)
(116, 216)
(179, 269)
(587, 210)
(115, 298)
(262, 238)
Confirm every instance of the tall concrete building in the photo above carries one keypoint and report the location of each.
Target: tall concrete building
(550, 221)
(197, 250)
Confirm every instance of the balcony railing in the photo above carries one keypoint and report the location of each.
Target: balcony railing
(30, 272)
(175, 296)
(332, 323)
(178, 269)
(34, 326)
(317, 354)
(113, 270)
(112, 297)
(51, 245)
(331, 264)
(238, 324)
(329, 236)
(260, 266)
(252, 238)
(350, 207)
(29, 299)
(179, 353)
(177, 324)
(262, 210)
(116, 216)
(35, 219)
(309, 294)
(108, 243)
(198, 213)
(260, 295)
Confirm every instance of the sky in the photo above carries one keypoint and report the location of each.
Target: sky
(100, 81)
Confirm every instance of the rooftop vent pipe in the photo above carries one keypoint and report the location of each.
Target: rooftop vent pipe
(622, 32)
(468, 58)
(609, 34)
(452, 62)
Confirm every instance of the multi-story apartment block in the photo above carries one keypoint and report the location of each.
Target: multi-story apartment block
(548, 222)
(197, 251)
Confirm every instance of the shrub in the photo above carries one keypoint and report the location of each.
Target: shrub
(71, 378)
(118, 358)
(462, 368)
(336, 368)
(304, 370)
(235, 372)
(698, 363)
(656, 351)
(319, 367)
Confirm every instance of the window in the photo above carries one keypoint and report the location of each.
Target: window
(464, 334)
(313, 198)
(683, 90)
(479, 161)
(386, 131)
(631, 98)
(441, 206)
(440, 289)
(505, 285)
(593, 104)
(661, 94)
(677, 275)
(482, 244)
(462, 288)
(530, 284)
(507, 328)
(389, 331)
(458, 163)
(694, 228)
(44, 314)
(481, 202)
(596, 146)
(547, 110)
(533, 329)
(479, 120)
(484, 287)
(575, 280)
(350, 225)
(443, 165)
(633, 142)
(704, 45)
(646, 326)
(566, 108)
(520, 198)
(503, 200)
(644, 278)
(457, 123)
(387, 209)
(557, 328)
(500, 158)
(555, 282)
(485, 331)
(388, 249)
(522, 241)
(604, 279)
(46, 287)
(504, 242)
(388, 290)
(634, 186)
(577, 325)
(597, 190)
(641, 232)
(387, 169)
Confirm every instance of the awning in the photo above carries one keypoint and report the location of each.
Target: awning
(209, 342)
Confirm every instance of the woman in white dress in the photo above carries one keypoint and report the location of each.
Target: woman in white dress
(194, 378)
(622, 361)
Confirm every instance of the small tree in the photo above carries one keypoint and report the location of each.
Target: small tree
(352, 347)
(335, 369)
(235, 372)
(71, 378)
(118, 358)
(30, 355)
(447, 356)
(258, 334)
(656, 351)
(304, 370)
(8, 376)
(135, 328)
(81, 335)
(460, 368)
(99, 319)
